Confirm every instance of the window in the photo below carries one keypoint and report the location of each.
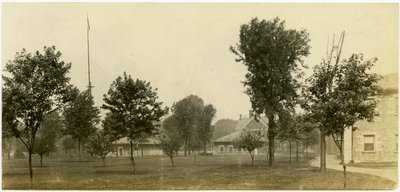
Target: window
(369, 142)
(221, 148)
(230, 148)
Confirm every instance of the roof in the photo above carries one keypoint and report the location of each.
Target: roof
(151, 141)
(241, 126)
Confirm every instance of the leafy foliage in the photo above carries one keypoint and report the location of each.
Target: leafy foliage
(250, 140)
(272, 55)
(224, 127)
(100, 144)
(193, 121)
(81, 118)
(47, 135)
(170, 141)
(134, 104)
(34, 84)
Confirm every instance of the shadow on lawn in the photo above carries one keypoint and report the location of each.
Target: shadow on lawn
(120, 172)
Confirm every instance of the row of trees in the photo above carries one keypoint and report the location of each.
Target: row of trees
(40, 105)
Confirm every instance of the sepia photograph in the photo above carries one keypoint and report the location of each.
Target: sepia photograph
(199, 95)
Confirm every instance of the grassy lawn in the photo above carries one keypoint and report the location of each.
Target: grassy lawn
(155, 172)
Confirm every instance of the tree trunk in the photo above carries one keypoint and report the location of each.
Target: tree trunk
(185, 147)
(271, 151)
(290, 151)
(323, 151)
(41, 158)
(342, 156)
(141, 149)
(30, 168)
(104, 161)
(9, 148)
(297, 150)
(79, 150)
(195, 158)
(172, 160)
(271, 139)
(132, 160)
(205, 147)
(252, 158)
(306, 151)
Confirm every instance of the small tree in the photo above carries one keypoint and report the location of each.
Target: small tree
(68, 144)
(134, 104)
(34, 84)
(250, 140)
(100, 144)
(170, 144)
(47, 135)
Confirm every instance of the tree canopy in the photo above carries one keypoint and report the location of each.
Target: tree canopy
(134, 104)
(34, 84)
(272, 55)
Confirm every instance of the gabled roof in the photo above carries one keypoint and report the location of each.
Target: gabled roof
(242, 124)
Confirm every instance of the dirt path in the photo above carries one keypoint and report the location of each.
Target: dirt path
(332, 163)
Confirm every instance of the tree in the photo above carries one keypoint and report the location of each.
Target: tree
(288, 130)
(250, 140)
(134, 103)
(351, 97)
(170, 141)
(186, 113)
(81, 118)
(316, 94)
(34, 83)
(224, 127)
(47, 135)
(68, 144)
(206, 129)
(272, 55)
(100, 144)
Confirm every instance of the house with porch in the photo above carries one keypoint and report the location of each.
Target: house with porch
(225, 145)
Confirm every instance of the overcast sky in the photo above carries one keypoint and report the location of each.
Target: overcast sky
(183, 49)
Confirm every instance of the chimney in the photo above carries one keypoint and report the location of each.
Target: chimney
(240, 116)
(250, 113)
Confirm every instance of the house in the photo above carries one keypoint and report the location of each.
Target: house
(122, 148)
(376, 141)
(225, 144)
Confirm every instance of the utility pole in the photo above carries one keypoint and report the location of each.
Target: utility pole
(88, 56)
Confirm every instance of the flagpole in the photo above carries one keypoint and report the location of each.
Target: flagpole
(88, 55)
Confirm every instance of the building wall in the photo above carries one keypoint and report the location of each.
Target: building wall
(384, 132)
(124, 150)
(230, 149)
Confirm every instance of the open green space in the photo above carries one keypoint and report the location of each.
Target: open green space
(155, 172)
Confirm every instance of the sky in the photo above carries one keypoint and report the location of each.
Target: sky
(183, 48)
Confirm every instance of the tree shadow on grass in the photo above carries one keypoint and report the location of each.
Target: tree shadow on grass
(120, 172)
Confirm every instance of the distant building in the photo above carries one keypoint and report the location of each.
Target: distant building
(122, 148)
(376, 141)
(225, 144)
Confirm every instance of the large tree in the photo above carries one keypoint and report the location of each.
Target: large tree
(272, 55)
(34, 84)
(193, 120)
(81, 118)
(47, 135)
(134, 103)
